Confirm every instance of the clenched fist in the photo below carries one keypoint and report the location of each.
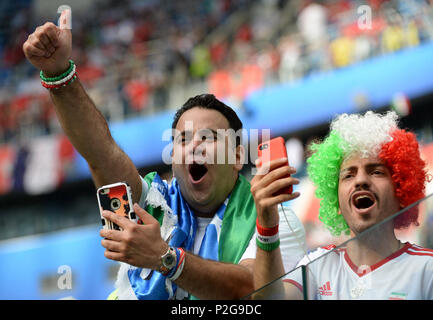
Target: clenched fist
(49, 48)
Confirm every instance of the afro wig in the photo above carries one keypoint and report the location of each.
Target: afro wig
(367, 135)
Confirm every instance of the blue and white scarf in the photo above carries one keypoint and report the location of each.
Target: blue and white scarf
(179, 227)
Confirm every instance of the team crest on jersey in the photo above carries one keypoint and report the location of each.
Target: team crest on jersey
(398, 296)
(325, 290)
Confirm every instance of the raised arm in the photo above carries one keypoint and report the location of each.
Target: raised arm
(49, 48)
(268, 264)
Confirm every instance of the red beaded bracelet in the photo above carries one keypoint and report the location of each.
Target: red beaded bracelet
(56, 86)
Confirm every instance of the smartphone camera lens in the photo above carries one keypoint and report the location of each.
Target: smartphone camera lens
(263, 146)
(115, 204)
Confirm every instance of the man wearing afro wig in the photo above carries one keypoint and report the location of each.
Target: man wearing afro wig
(365, 171)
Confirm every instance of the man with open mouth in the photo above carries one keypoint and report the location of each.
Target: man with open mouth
(193, 233)
(366, 172)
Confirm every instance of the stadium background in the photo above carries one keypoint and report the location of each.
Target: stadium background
(289, 66)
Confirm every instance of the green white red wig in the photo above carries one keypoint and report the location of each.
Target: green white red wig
(371, 134)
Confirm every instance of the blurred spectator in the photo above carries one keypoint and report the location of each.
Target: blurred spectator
(219, 84)
(251, 79)
(392, 38)
(291, 67)
(342, 50)
(411, 34)
(312, 24)
(200, 62)
(137, 93)
(264, 20)
(362, 48)
(13, 53)
(230, 48)
(218, 53)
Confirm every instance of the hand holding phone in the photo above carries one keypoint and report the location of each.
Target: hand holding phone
(272, 150)
(116, 197)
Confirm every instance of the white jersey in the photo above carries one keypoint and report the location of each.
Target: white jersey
(406, 274)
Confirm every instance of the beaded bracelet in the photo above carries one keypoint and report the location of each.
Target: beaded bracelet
(62, 84)
(60, 81)
(59, 77)
(64, 79)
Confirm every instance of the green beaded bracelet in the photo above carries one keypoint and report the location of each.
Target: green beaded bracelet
(63, 75)
(268, 246)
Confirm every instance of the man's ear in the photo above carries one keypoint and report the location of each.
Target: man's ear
(240, 157)
(176, 157)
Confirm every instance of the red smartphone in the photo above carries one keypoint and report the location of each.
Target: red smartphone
(116, 197)
(271, 150)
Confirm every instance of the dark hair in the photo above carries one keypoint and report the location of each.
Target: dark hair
(208, 101)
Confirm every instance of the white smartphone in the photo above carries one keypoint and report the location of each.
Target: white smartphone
(116, 197)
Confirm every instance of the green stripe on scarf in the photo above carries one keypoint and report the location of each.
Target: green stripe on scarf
(157, 213)
(238, 224)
